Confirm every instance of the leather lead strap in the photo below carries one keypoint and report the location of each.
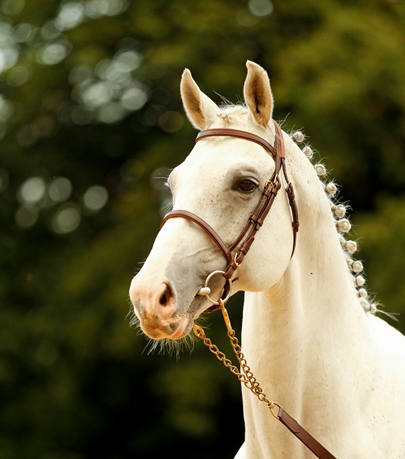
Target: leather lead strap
(306, 438)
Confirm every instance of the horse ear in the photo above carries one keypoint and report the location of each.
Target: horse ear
(200, 109)
(258, 94)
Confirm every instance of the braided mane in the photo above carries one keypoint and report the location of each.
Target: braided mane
(343, 227)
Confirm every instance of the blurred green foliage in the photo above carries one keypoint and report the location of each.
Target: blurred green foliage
(90, 118)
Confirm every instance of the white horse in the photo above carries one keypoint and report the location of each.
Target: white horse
(309, 333)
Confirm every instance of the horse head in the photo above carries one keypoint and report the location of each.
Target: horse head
(221, 181)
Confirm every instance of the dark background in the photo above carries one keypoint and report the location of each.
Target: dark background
(90, 118)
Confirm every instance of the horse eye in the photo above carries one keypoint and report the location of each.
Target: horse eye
(247, 185)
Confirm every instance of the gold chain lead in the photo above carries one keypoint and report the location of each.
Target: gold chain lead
(246, 377)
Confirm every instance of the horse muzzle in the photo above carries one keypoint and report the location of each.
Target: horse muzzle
(156, 309)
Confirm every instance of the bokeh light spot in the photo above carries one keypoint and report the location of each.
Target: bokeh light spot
(26, 217)
(12, 7)
(95, 198)
(18, 75)
(60, 189)
(134, 98)
(67, 219)
(6, 109)
(31, 191)
(24, 32)
(70, 15)
(110, 113)
(97, 94)
(98, 8)
(129, 60)
(260, 7)
(54, 53)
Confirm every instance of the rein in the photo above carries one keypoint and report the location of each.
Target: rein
(235, 255)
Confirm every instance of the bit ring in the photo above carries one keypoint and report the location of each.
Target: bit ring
(206, 288)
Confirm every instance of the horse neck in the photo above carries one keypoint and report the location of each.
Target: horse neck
(297, 334)
(314, 299)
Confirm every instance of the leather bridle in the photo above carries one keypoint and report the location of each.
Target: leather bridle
(245, 239)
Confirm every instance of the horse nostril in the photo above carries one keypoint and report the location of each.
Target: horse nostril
(165, 296)
(163, 299)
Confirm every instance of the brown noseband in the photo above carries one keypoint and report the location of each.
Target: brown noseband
(255, 221)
